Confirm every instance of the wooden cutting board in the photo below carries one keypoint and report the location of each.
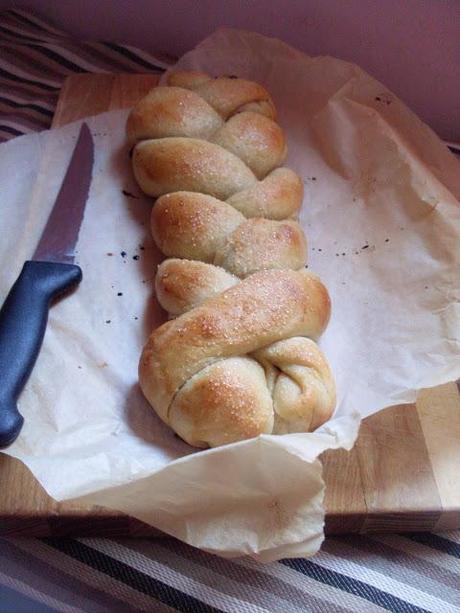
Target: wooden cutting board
(402, 474)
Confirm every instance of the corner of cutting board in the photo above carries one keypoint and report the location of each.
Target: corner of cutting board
(83, 95)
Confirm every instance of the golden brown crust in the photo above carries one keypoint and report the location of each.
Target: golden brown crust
(255, 139)
(266, 307)
(192, 226)
(173, 164)
(227, 97)
(223, 403)
(240, 359)
(200, 227)
(181, 285)
(259, 244)
(278, 196)
(303, 390)
(172, 111)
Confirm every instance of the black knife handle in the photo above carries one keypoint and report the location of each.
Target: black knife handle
(23, 320)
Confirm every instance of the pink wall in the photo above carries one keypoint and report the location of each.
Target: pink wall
(413, 46)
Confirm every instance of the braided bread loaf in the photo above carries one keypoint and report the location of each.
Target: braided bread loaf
(240, 358)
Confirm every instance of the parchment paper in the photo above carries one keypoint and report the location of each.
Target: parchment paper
(382, 218)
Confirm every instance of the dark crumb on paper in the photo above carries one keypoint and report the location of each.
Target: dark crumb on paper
(144, 281)
(356, 252)
(120, 294)
(343, 254)
(426, 286)
(306, 265)
(129, 194)
(109, 253)
(387, 100)
(135, 317)
(79, 367)
(365, 247)
(387, 240)
(313, 178)
(337, 255)
(319, 249)
(354, 199)
(401, 228)
(313, 249)
(107, 321)
(135, 257)
(343, 283)
(123, 254)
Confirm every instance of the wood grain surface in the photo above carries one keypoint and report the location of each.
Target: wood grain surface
(402, 474)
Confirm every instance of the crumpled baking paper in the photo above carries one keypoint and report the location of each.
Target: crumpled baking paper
(381, 214)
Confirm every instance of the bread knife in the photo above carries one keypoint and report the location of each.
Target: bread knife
(50, 273)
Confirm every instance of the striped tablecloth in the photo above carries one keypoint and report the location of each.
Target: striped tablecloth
(403, 573)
